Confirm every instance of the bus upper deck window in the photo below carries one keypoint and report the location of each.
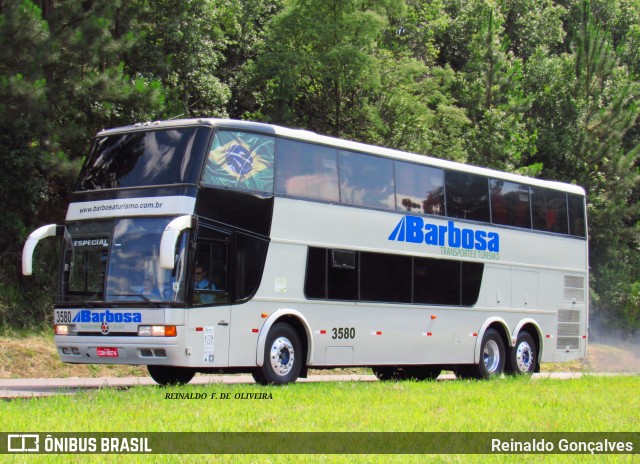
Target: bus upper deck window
(467, 196)
(307, 170)
(419, 188)
(366, 180)
(549, 210)
(510, 204)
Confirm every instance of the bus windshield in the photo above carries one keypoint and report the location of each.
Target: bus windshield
(138, 159)
(118, 261)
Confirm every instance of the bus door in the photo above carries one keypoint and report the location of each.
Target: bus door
(210, 313)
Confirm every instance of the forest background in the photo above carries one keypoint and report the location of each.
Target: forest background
(543, 88)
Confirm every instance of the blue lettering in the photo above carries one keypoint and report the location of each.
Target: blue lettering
(481, 240)
(83, 316)
(106, 316)
(494, 241)
(414, 230)
(454, 236)
(467, 239)
(431, 234)
(442, 231)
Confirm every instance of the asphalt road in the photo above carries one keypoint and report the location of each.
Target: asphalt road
(29, 388)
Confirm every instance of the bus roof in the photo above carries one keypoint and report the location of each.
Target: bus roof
(308, 136)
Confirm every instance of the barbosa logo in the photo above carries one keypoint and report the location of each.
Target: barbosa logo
(106, 316)
(413, 229)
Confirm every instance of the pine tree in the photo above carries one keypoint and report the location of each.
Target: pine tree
(608, 109)
(492, 92)
(69, 83)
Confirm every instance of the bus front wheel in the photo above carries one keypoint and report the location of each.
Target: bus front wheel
(170, 375)
(282, 356)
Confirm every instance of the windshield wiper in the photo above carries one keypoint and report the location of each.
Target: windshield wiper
(91, 303)
(139, 295)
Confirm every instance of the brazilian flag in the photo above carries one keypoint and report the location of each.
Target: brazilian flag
(240, 160)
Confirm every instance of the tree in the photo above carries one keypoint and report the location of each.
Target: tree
(416, 30)
(608, 169)
(493, 94)
(320, 67)
(533, 24)
(245, 26)
(181, 44)
(87, 85)
(53, 99)
(417, 111)
(584, 111)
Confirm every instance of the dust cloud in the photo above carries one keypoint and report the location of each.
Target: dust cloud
(611, 351)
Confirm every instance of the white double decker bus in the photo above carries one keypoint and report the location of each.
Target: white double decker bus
(215, 246)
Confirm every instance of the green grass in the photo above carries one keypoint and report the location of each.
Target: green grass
(588, 404)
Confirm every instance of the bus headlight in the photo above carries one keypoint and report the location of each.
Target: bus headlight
(65, 329)
(157, 331)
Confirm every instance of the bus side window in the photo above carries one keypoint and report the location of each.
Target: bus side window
(467, 196)
(576, 216)
(385, 277)
(388, 278)
(366, 180)
(549, 210)
(510, 204)
(342, 275)
(249, 259)
(419, 188)
(210, 270)
(307, 170)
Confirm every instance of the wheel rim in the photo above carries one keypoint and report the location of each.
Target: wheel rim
(491, 356)
(524, 357)
(282, 356)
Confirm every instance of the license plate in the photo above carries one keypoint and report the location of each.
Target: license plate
(108, 352)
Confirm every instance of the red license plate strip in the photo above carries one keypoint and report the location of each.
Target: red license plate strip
(107, 352)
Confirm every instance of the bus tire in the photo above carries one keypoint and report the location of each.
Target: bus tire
(523, 358)
(170, 375)
(385, 373)
(492, 355)
(422, 372)
(257, 375)
(492, 358)
(283, 356)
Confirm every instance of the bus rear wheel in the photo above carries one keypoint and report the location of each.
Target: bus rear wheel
(523, 358)
(170, 375)
(283, 356)
(385, 373)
